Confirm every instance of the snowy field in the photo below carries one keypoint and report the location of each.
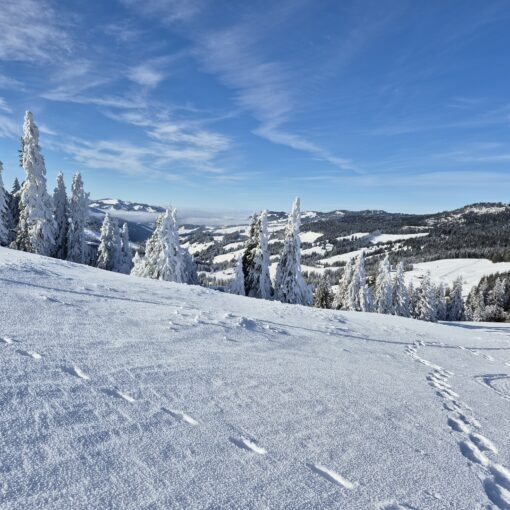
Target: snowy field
(119, 392)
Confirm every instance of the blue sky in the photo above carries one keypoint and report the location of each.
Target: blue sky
(396, 105)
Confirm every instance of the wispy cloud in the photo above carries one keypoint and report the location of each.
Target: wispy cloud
(168, 11)
(31, 31)
(145, 75)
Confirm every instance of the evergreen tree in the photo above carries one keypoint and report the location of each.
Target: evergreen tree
(290, 287)
(414, 298)
(401, 303)
(384, 288)
(190, 268)
(61, 216)
(426, 306)
(126, 264)
(78, 215)
(138, 265)
(4, 211)
(257, 282)
(14, 205)
(107, 253)
(36, 228)
(323, 298)
(441, 308)
(455, 309)
(341, 296)
(237, 284)
(163, 255)
(359, 296)
(118, 256)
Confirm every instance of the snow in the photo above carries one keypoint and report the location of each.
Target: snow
(310, 237)
(226, 257)
(344, 257)
(357, 235)
(389, 238)
(233, 246)
(197, 399)
(194, 248)
(317, 249)
(448, 270)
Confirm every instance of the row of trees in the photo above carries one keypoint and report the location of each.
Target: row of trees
(33, 221)
(252, 276)
(489, 300)
(389, 294)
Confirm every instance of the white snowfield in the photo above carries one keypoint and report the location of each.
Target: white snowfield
(447, 270)
(390, 238)
(124, 393)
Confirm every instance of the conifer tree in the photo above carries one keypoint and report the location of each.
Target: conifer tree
(455, 311)
(441, 309)
(107, 252)
(414, 298)
(4, 211)
(36, 228)
(323, 298)
(426, 305)
(61, 216)
(290, 287)
(126, 264)
(163, 255)
(384, 288)
(358, 294)
(401, 304)
(341, 296)
(190, 268)
(237, 284)
(138, 265)
(78, 215)
(14, 198)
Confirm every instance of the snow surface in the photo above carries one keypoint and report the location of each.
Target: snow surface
(448, 270)
(126, 393)
(357, 235)
(310, 237)
(387, 238)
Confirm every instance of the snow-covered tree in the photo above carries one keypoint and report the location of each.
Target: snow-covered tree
(257, 282)
(117, 242)
(414, 297)
(61, 216)
(14, 205)
(190, 268)
(426, 305)
(290, 286)
(401, 304)
(163, 255)
(237, 284)
(322, 297)
(359, 296)
(441, 308)
(36, 228)
(4, 211)
(78, 215)
(455, 309)
(126, 264)
(138, 265)
(107, 253)
(383, 294)
(341, 296)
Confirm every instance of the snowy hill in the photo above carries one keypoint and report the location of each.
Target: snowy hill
(119, 392)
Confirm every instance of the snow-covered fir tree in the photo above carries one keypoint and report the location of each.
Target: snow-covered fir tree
(107, 253)
(290, 286)
(190, 268)
(257, 282)
(36, 228)
(341, 296)
(126, 264)
(163, 256)
(117, 242)
(401, 303)
(61, 216)
(237, 284)
(4, 211)
(426, 304)
(455, 308)
(359, 296)
(441, 308)
(323, 297)
(138, 265)
(14, 199)
(383, 294)
(78, 215)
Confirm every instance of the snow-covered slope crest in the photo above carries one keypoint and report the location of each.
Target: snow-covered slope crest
(119, 392)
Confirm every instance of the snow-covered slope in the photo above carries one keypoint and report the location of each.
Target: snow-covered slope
(125, 393)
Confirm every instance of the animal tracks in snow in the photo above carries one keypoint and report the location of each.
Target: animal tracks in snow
(331, 475)
(30, 354)
(248, 444)
(7, 340)
(77, 372)
(178, 415)
(475, 447)
(118, 394)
